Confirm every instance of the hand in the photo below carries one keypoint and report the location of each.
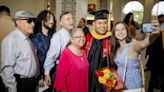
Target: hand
(41, 83)
(156, 25)
(48, 80)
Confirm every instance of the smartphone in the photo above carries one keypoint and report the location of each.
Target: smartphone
(148, 27)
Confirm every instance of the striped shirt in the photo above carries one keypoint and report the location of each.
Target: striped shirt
(16, 58)
(58, 43)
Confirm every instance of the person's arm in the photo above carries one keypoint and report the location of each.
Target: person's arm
(151, 37)
(63, 71)
(52, 54)
(7, 64)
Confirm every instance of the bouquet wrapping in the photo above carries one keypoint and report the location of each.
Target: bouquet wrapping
(106, 77)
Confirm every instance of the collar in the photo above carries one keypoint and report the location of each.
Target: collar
(98, 36)
(21, 35)
(65, 32)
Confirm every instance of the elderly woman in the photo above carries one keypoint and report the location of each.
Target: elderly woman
(72, 73)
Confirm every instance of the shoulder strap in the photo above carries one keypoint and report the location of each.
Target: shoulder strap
(142, 70)
(124, 73)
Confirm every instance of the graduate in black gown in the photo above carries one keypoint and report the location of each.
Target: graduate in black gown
(98, 45)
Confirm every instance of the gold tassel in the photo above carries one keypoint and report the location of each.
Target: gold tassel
(109, 23)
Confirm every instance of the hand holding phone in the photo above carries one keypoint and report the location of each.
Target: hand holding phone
(148, 27)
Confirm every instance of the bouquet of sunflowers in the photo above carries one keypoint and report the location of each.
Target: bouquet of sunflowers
(106, 77)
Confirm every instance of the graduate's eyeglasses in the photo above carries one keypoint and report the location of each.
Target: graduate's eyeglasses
(30, 20)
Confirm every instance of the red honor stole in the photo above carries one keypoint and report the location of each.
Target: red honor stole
(106, 45)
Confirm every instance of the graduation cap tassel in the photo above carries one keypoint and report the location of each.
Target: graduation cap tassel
(109, 23)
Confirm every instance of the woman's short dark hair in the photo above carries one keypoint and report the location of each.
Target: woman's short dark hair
(127, 18)
(83, 20)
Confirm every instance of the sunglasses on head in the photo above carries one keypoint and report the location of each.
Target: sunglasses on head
(30, 20)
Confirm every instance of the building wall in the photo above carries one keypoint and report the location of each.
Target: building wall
(97, 2)
(56, 6)
(80, 8)
(34, 6)
(118, 6)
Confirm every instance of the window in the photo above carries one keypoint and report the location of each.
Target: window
(158, 9)
(136, 8)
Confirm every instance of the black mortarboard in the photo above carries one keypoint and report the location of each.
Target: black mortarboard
(101, 14)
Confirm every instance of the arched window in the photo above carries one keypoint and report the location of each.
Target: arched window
(136, 8)
(158, 9)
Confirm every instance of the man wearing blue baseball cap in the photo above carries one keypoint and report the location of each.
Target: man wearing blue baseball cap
(19, 63)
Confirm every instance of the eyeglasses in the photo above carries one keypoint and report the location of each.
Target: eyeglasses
(30, 20)
(77, 37)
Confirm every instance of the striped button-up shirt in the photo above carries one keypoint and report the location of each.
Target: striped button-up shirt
(16, 58)
(58, 42)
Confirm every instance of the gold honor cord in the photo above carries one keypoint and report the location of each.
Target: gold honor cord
(98, 36)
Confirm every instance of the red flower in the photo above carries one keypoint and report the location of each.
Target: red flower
(106, 77)
(100, 73)
(109, 83)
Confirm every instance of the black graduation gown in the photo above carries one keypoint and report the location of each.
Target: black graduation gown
(96, 62)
